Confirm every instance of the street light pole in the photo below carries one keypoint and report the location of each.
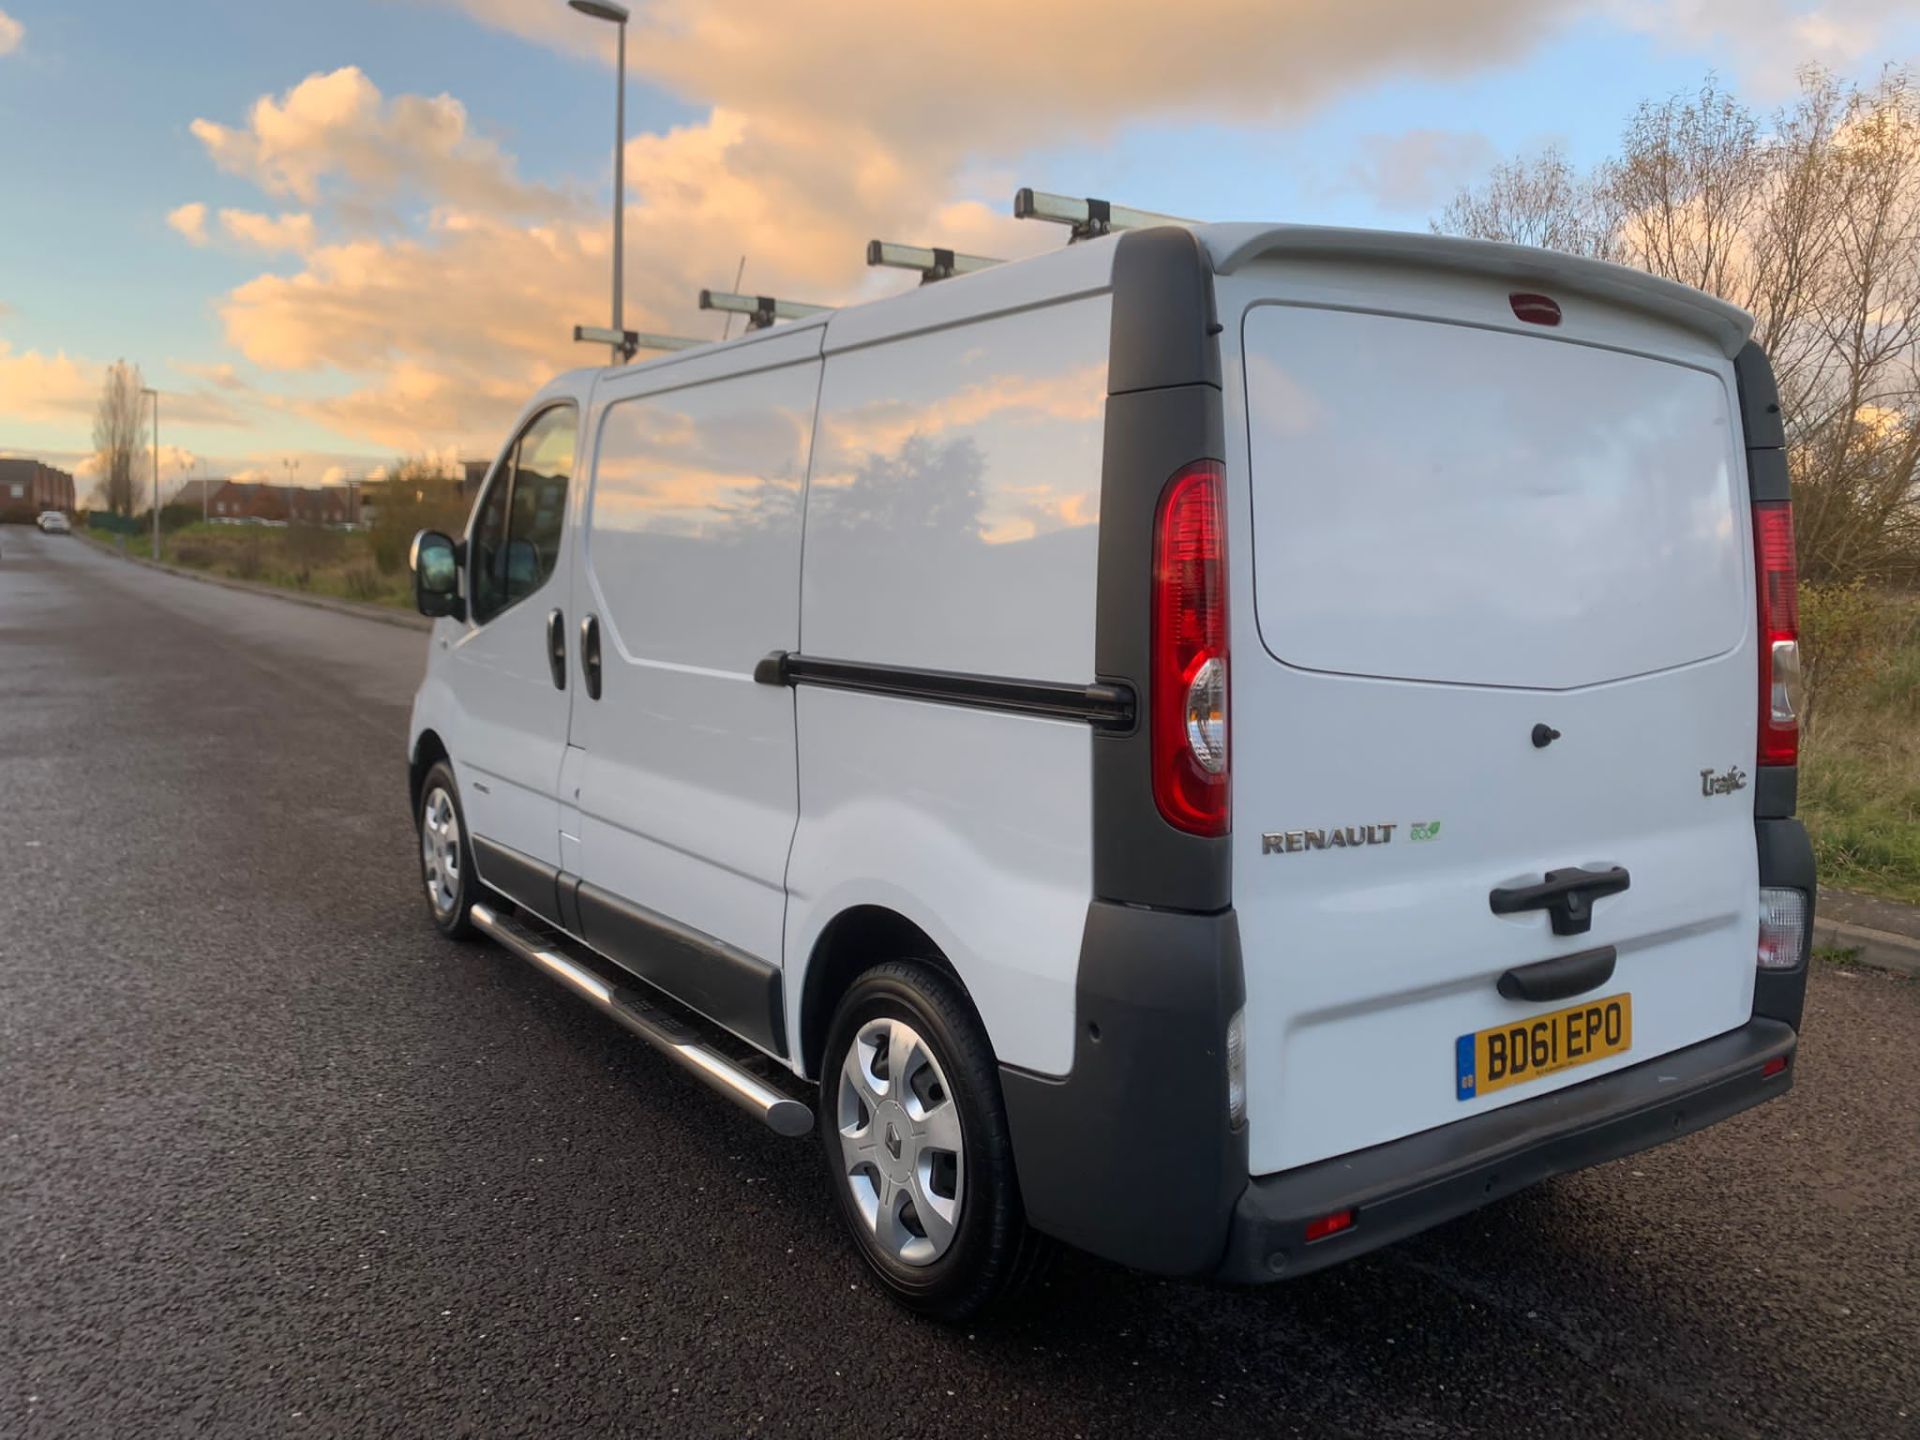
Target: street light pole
(149, 390)
(604, 10)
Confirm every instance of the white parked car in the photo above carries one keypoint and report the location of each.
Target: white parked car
(53, 522)
(1222, 747)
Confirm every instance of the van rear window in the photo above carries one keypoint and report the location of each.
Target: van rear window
(1441, 502)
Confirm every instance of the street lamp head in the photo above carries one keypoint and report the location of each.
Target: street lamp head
(601, 10)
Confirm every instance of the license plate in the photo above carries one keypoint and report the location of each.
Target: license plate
(1490, 1060)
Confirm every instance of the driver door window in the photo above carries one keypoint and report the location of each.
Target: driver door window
(517, 530)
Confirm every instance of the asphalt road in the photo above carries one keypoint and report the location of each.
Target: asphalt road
(275, 1159)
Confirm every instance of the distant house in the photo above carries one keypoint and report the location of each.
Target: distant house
(28, 487)
(281, 504)
(199, 494)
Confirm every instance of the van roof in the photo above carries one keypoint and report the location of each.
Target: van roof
(1087, 268)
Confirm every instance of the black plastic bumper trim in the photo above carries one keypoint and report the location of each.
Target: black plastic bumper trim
(1108, 707)
(1129, 1155)
(1405, 1186)
(521, 878)
(1786, 861)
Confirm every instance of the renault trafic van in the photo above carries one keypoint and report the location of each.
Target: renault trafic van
(1221, 747)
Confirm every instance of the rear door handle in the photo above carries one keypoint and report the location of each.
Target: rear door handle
(1566, 895)
(1560, 978)
(557, 648)
(590, 654)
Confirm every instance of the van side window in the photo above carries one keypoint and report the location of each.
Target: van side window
(486, 548)
(517, 532)
(539, 510)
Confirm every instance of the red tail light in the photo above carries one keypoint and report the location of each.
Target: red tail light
(1189, 678)
(1777, 578)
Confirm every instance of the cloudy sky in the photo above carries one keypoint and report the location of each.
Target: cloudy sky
(336, 232)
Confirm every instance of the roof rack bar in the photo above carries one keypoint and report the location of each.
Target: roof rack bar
(628, 341)
(1088, 217)
(760, 310)
(932, 262)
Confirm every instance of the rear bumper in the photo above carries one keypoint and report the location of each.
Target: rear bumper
(1130, 1156)
(1400, 1188)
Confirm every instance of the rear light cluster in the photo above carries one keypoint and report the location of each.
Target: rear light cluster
(1783, 928)
(1777, 578)
(1189, 669)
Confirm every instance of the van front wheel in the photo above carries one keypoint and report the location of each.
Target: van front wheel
(446, 860)
(916, 1144)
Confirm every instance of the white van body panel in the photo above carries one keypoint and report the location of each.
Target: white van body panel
(974, 826)
(952, 524)
(683, 788)
(1365, 706)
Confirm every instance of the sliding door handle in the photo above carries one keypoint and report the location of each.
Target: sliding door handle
(557, 648)
(590, 655)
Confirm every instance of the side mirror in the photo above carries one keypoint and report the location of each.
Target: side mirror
(435, 561)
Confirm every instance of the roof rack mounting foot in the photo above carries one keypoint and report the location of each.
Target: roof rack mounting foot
(1087, 218)
(630, 341)
(932, 261)
(761, 310)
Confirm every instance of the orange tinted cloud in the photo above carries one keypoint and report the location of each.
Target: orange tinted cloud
(190, 221)
(831, 123)
(266, 232)
(335, 135)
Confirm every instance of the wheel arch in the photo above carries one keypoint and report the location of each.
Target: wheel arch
(428, 751)
(853, 942)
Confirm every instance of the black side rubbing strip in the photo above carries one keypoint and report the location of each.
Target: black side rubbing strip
(1107, 707)
(521, 878)
(735, 990)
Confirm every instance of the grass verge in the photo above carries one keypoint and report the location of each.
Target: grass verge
(339, 563)
(1860, 756)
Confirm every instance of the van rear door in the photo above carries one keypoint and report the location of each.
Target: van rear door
(1491, 622)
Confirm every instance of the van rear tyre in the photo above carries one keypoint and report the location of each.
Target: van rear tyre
(916, 1145)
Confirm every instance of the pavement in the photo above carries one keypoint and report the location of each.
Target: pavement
(275, 1159)
(1872, 931)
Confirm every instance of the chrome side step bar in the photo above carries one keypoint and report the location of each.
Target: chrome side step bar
(781, 1113)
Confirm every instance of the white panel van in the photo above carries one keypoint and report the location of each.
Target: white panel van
(1222, 747)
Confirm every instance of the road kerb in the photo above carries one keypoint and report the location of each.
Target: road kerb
(1881, 949)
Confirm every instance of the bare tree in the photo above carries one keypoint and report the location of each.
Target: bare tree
(1810, 220)
(1691, 175)
(116, 436)
(1535, 201)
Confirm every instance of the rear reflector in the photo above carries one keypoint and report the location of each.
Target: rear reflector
(1535, 309)
(1188, 683)
(1773, 1067)
(1329, 1225)
(1776, 576)
(1783, 928)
